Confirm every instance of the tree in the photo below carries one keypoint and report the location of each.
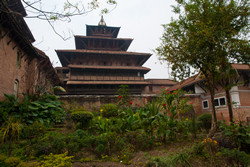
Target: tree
(69, 9)
(229, 78)
(206, 35)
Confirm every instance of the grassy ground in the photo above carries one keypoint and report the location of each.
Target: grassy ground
(142, 157)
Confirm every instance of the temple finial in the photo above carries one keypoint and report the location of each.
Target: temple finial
(102, 22)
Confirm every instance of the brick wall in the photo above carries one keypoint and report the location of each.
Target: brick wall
(27, 73)
(9, 71)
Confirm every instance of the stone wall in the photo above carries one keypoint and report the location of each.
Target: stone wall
(93, 102)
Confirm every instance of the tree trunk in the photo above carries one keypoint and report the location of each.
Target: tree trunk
(214, 125)
(229, 105)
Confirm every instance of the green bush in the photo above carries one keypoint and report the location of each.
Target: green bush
(206, 120)
(82, 117)
(58, 143)
(140, 140)
(235, 157)
(237, 134)
(45, 109)
(12, 161)
(103, 144)
(60, 160)
(2, 159)
(109, 110)
(80, 133)
(28, 164)
(33, 130)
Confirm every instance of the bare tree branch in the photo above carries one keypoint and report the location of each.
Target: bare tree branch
(69, 10)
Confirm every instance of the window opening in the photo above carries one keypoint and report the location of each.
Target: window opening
(216, 102)
(220, 101)
(16, 85)
(18, 61)
(205, 104)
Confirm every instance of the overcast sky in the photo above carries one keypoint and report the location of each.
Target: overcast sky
(138, 19)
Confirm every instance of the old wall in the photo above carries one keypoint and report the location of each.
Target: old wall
(10, 72)
(38, 79)
(18, 71)
(196, 103)
(93, 102)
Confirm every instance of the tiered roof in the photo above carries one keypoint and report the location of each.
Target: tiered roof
(101, 59)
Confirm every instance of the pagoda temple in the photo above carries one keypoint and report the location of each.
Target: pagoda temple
(101, 63)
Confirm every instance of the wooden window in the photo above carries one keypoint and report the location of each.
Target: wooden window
(216, 102)
(220, 102)
(205, 104)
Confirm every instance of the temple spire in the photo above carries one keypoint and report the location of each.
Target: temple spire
(102, 22)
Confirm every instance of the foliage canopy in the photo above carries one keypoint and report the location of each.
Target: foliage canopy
(206, 34)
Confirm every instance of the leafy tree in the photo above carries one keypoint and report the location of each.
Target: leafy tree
(207, 36)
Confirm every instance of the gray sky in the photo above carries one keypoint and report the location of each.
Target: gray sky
(138, 19)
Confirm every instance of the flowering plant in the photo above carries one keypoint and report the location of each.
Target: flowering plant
(123, 96)
(211, 146)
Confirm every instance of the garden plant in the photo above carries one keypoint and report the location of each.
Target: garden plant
(34, 132)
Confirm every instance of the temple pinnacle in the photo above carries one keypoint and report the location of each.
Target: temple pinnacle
(102, 22)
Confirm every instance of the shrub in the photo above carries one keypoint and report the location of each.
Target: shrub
(109, 110)
(10, 130)
(60, 160)
(57, 143)
(238, 135)
(82, 117)
(2, 159)
(206, 120)
(104, 144)
(80, 133)
(12, 161)
(33, 130)
(140, 140)
(235, 157)
(28, 164)
(44, 108)
(52, 142)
